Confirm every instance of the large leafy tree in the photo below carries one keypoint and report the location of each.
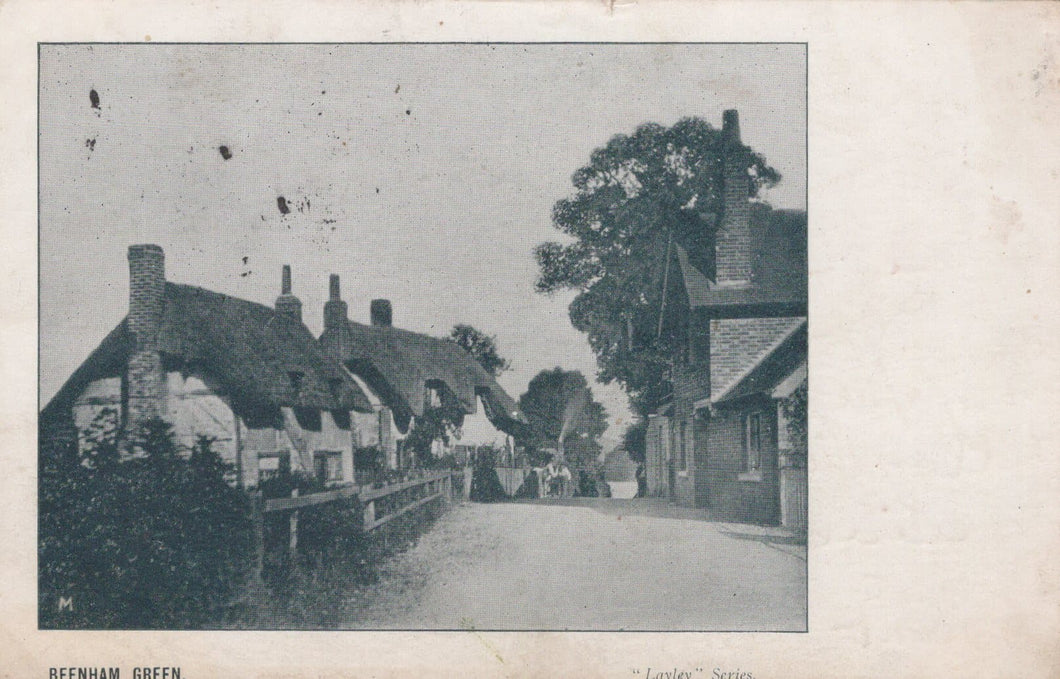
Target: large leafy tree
(559, 406)
(638, 197)
(481, 346)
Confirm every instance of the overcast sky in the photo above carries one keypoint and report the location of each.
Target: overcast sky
(424, 174)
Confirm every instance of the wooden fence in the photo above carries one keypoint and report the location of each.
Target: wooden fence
(379, 505)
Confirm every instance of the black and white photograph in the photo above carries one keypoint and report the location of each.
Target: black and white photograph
(462, 336)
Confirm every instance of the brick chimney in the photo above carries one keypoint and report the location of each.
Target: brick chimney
(335, 310)
(733, 246)
(381, 313)
(146, 383)
(287, 304)
(336, 337)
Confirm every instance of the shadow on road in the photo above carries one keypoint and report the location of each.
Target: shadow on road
(770, 539)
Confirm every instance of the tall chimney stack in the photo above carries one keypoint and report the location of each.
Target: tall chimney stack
(287, 304)
(336, 338)
(144, 376)
(733, 246)
(381, 313)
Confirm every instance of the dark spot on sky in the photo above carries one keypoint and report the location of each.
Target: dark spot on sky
(225, 153)
(320, 113)
(332, 221)
(245, 259)
(93, 96)
(246, 273)
(90, 144)
(281, 203)
(397, 89)
(377, 189)
(408, 112)
(323, 91)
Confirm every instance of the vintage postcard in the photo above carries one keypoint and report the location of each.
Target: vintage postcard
(482, 394)
(451, 344)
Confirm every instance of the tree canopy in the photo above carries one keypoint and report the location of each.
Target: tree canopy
(635, 440)
(559, 406)
(638, 196)
(481, 346)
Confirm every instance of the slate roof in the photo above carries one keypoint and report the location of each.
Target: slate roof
(779, 270)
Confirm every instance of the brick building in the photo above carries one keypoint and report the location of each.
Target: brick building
(720, 441)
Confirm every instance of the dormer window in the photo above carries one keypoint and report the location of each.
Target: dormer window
(335, 386)
(296, 378)
(432, 395)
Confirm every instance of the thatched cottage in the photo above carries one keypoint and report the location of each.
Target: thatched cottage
(252, 377)
(405, 372)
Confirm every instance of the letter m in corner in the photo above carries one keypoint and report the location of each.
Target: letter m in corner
(66, 603)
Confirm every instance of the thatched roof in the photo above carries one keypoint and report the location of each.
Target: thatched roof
(779, 270)
(399, 365)
(259, 358)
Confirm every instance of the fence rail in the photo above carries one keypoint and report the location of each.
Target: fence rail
(380, 505)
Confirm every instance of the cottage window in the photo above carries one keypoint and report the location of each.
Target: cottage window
(433, 397)
(273, 464)
(335, 386)
(327, 465)
(753, 442)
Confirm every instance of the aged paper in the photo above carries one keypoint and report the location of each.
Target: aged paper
(933, 256)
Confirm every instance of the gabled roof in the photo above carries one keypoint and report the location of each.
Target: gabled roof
(782, 365)
(399, 365)
(248, 348)
(779, 270)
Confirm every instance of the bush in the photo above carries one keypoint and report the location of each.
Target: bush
(138, 533)
(485, 484)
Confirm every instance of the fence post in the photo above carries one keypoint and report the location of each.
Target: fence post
(369, 514)
(257, 518)
(293, 546)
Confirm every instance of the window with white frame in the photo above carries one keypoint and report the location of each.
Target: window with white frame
(753, 442)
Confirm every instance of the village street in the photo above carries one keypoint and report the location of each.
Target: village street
(635, 564)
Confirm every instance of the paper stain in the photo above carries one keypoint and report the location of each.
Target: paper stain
(468, 625)
(1006, 218)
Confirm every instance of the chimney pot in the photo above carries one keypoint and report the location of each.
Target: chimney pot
(335, 311)
(730, 124)
(382, 313)
(287, 304)
(285, 284)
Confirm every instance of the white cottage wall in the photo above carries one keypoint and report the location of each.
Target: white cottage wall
(98, 396)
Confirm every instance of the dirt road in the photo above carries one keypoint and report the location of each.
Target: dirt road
(587, 565)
